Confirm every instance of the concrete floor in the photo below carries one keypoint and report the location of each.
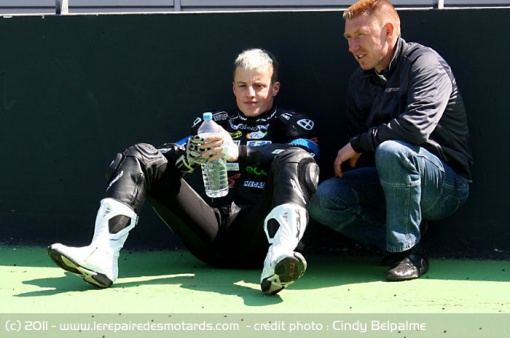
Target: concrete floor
(162, 291)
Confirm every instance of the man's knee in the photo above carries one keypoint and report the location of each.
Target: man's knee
(298, 164)
(394, 154)
(141, 156)
(147, 154)
(129, 172)
(390, 149)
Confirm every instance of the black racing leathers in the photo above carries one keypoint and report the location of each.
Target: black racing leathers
(415, 100)
(276, 166)
(259, 138)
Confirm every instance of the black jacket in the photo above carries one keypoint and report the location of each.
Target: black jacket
(416, 100)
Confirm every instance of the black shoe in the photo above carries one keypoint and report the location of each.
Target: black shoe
(392, 258)
(412, 266)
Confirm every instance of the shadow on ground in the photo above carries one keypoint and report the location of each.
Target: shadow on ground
(179, 268)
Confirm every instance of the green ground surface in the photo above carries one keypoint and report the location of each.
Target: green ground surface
(338, 297)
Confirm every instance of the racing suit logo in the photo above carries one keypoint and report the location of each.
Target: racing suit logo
(236, 134)
(253, 184)
(256, 171)
(232, 180)
(256, 135)
(286, 116)
(258, 143)
(393, 89)
(196, 122)
(306, 124)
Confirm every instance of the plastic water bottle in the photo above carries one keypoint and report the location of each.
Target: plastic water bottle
(214, 173)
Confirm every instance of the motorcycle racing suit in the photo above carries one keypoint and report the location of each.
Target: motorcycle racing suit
(276, 166)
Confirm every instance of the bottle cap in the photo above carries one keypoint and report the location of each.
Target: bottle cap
(207, 116)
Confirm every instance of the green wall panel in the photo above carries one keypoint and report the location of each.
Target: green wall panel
(77, 89)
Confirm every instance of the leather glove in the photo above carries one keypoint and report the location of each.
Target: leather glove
(191, 155)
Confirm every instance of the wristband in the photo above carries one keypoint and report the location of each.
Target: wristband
(355, 143)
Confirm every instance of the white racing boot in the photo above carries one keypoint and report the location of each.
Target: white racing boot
(283, 266)
(97, 262)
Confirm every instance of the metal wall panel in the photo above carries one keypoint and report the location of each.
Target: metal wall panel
(476, 3)
(109, 6)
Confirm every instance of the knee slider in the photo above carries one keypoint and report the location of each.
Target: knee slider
(307, 170)
(146, 154)
(309, 174)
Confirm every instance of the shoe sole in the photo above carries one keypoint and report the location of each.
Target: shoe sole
(286, 272)
(97, 279)
(290, 269)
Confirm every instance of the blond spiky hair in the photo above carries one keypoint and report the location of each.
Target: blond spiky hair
(255, 58)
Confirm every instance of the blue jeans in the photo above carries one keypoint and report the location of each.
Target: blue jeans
(383, 206)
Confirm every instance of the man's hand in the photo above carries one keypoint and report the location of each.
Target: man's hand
(192, 155)
(220, 145)
(345, 154)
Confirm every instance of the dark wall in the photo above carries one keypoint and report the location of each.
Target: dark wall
(77, 89)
